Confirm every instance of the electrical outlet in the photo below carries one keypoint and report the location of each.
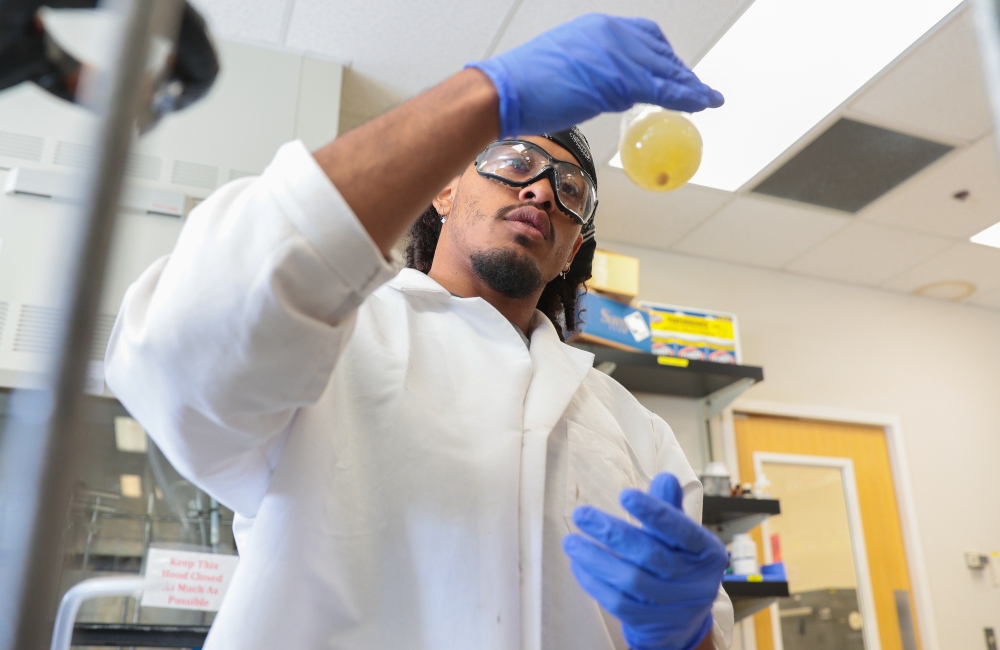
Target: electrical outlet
(977, 561)
(991, 638)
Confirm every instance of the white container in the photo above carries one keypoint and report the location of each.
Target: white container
(743, 555)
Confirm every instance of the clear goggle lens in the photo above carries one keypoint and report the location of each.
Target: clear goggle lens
(520, 163)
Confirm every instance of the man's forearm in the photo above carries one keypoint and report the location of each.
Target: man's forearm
(390, 169)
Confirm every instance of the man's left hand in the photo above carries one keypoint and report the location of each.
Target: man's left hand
(659, 580)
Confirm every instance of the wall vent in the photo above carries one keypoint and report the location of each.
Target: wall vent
(102, 332)
(3, 319)
(71, 154)
(188, 173)
(850, 165)
(236, 173)
(38, 329)
(18, 145)
(144, 167)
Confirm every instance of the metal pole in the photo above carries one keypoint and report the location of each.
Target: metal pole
(42, 444)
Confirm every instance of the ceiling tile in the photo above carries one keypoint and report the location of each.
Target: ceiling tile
(603, 133)
(632, 215)
(691, 27)
(936, 90)
(927, 201)
(990, 299)
(397, 47)
(866, 253)
(760, 232)
(246, 20)
(965, 262)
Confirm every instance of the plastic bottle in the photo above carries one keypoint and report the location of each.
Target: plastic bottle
(660, 149)
(743, 555)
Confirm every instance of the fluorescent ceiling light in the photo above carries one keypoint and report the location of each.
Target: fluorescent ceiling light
(787, 64)
(989, 237)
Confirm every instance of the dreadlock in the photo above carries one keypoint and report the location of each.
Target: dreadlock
(558, 299)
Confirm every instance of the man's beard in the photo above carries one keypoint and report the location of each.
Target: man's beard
(506, 272)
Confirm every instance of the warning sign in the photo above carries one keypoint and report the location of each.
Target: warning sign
(188, 580)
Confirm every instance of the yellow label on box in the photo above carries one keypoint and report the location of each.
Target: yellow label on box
(755, 577)
(672, 361)
(720, 328)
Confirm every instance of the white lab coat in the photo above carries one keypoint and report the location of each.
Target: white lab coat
(401, 465)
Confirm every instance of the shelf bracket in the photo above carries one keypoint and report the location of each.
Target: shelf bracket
(711, 406)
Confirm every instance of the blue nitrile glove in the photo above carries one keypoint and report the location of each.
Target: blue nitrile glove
(660, 580)
(591, 65)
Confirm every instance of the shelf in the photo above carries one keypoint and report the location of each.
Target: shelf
(146, 636)
(751, 597)
(648, 373)
(728, 516)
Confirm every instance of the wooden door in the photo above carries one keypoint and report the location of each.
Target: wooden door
(866, 447)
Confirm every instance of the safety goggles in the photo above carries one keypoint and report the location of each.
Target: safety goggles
(518, 163)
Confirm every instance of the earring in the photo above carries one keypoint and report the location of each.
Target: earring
(443, 219)
(564, 272)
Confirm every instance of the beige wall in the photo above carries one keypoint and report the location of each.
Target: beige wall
(936, 365)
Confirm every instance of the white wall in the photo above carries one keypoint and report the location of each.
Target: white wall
(934, 364)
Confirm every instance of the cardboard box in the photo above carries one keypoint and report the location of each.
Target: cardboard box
(615, 275)
(609, 322)
(697, 334)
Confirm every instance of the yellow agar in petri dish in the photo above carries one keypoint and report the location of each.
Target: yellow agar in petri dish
(661, 150)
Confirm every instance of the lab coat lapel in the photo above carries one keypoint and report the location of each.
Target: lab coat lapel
(557, 372)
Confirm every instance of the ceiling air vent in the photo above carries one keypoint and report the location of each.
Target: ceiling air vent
(851, 165)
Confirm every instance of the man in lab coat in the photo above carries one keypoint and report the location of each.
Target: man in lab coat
(419, 461)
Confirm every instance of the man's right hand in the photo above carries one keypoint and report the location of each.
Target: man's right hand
(591, 65)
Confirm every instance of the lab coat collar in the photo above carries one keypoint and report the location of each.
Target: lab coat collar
(558, 370)
(556, 365)
(413, 280)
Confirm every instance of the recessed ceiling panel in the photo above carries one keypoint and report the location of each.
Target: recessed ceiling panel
(691, 27)
(246, 20)
(397, 47)
(958, 197)
(972, 263)
(850, 165)
(865, 253)
(936, 90)
(651, 219)
(761, 232)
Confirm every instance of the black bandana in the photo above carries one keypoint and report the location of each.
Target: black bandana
(574, 141)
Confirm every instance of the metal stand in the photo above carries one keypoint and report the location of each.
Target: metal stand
(42, 449)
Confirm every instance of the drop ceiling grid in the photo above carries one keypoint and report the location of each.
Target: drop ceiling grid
(867, 254)
(404, 45)
(629, 215)
(935, 90)
(963, 262)
(927, 201)
(760, 232)
(259, 21)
